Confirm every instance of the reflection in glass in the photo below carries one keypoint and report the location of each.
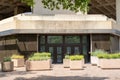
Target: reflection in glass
(42, 48)
(72, 39)
(76, 50)
(85, 49)
(42, 39)
(55, 39)
(59, 50)
(59, 58)
(51, 50)
(68, 50)
(84, 40)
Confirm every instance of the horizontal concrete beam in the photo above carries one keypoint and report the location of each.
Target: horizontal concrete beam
(38, 31)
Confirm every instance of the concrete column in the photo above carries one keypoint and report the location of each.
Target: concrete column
(37, 42)
(118, 11)
(91, 43)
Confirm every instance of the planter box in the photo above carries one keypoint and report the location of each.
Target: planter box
(38, 65)
(94, 60)
(77, 64)
(66, 63)
(18, 62)
(109, 63)
(7, 66)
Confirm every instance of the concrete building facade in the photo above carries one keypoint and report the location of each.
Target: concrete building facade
(59, 32)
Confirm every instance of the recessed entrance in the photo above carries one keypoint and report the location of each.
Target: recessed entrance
(60, 45)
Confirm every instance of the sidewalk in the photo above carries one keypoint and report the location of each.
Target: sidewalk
(60, 73)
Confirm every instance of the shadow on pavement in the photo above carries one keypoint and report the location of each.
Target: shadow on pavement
(5, 74)
(61, 78)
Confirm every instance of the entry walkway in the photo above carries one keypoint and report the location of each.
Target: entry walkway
(60, 73)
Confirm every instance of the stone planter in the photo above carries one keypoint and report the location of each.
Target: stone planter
(77, 64)
(66, 63)
(7, 66)
(109, 63)
(38, 65)
(94, 60)
(18, 62)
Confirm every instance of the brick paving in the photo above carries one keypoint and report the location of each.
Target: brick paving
(59, 73)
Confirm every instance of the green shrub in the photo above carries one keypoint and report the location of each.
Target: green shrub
(97, 52)
(67, 57)
(6, 59)
(40, 56)
(16, 56)
(109, 56)
(76, 57)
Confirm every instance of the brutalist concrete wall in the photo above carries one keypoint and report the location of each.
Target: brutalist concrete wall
(114, 43)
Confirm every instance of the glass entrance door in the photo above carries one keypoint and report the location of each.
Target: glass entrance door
(59, 45)
(56, 53)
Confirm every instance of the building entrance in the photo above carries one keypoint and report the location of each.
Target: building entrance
(60, 45)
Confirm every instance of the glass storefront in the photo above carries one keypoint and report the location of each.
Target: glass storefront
(60, 45)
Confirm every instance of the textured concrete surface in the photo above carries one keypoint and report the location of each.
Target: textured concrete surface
(60, 73)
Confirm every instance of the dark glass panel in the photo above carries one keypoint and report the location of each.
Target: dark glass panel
(55, 39)
(72, 39)
(42, 48)
(76, 50)
(42, 39)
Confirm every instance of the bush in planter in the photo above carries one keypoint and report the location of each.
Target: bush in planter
(109, 56)
(97, 52)
(76, 57)
(76, 61)
(40, 56)
(15, 56)
(109, 61)
(39, 61)
(18, 60)
(94, 58)
(66, 61)
(7, 59)
(7, 64)
(67, 56)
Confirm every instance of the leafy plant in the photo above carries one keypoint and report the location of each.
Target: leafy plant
(6, 59)
(16, 56)
(72, 5)
(76, 57)
(40, 56)
(109, 56)
(97, 52)
(67, 57)
(29, 2)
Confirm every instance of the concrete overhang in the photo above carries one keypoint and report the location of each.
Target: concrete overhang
(58, 24)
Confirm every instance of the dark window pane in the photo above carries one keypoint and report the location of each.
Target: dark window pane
(76, 50)
(59, 50)
(84, 49)
(84, 39)
(68, 50)
(42, 48)
(51, 50)
(42, 39)
(59, 58)
(72, 39)
(55, 39)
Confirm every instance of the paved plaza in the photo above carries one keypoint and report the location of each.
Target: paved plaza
(59, 73)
